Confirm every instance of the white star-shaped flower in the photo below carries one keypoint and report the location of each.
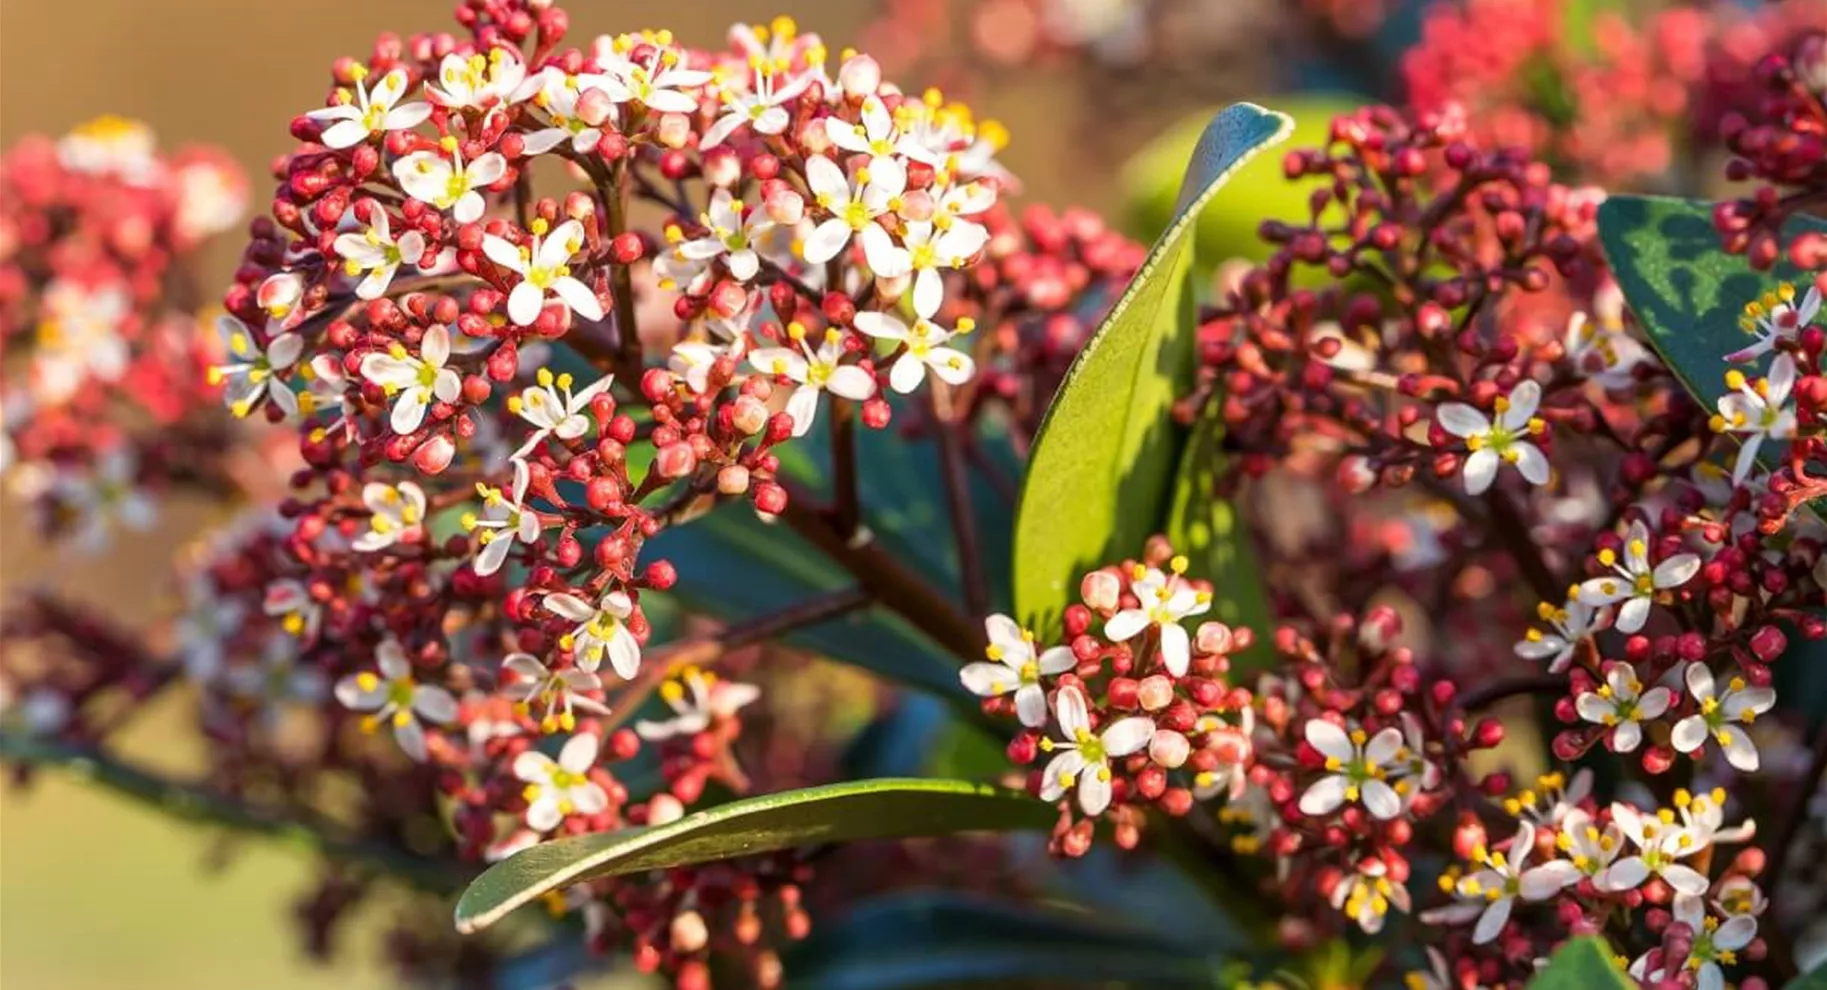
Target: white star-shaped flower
(1015, 668)
(1083, 760)
(395, 697)
(1727, 717)
(373, 112)
(1494, 443)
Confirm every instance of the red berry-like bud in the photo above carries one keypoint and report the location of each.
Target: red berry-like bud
(770, 499)
(627, 247)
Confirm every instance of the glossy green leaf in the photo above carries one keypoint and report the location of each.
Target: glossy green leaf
(1104, 457)
(1582, 964)
(865, 809)
(1151, 182)
(1685, 291)
(908, 941)
(1206, 529)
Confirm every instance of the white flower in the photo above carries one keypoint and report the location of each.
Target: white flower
(956, 202)
(1716, 943)
(1572, 622)
(376, 252)
(477, 80)
(1502, 441)
(924, 347)
(875, 134)
(253, 376)
(447, 183)
(1084, 758)
(925, 248)
(208, 618)
(1503, 880)
(328, 389)
(854, 208)
(1775, 318)
(1232, 746)
(505, 519)
(290, 602)
(1739, 894)
(553, 409)
(600, 630)
(1602, 352)
(1014, 667)
(762, 108)
(544, 271)
(1636, 582)
(79, 340)
(815, 372)
(1553, 798)
(1366, 895)
(1703, 816)
(559, 788)
(1757, 411)
(396, 513)
(659, 84)
(1412, 763)
(698, 698)
(372, 112)
(1161, 602)
(1622, 705)
(393, 696)
(560, 690)
(273, 681)
(102, 496)
(416, 381)
(111, 145)
(1358, 768)
(1590, 849)
(1660, 847)
(730, 236)
(1725, 717)
(693, 358)
(557, 94)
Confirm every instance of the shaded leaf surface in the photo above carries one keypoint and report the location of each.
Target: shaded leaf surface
(1582, 964)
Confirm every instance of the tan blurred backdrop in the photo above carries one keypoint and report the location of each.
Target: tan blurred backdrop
(96, 894)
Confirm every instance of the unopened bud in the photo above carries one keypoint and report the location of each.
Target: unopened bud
(1168, 748)
(860, 76)
(785, 206)
(1155, 692)
(664, 808)
(674, 130)
(689, 933)
(733, 480)
(749, 416)
(1100, 590)
(1213, 638)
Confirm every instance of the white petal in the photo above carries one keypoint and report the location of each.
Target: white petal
(1330, 740)
(1462, 420)
(578, 296)
(579, 753)
(1128, 736)
(1069, 707)
(1480, 470)
(880, 325)
(1548, 879)
(345, 134)
(1633, 614)
(851, 382)
(524, 303)
(1677, 570)
(885, 259)
(533, 766)
(988, 680)
(1176, 648)
(1380, 800)
(434, 704)
(1689, 734)
(1324, 796)
(624, 653)
(1532, 463)
(1524, 400)
(411, 737)
(1491, 922)
(408, 410)
(543, 814)
(1031, 705)
(1685, 879)
(826, 241)
(1625, 874)
(1739, 750)
(1124, 625)
(1626, 737)
(1093, 791)
(1067, 763)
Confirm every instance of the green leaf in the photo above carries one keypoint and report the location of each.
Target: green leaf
(865, 809)
(1687, 293)
(1206, 529)
(1814, 979)
(907, 941)
(1105, 454)
(1151, 183)
(1578, 22)
(1582, 964)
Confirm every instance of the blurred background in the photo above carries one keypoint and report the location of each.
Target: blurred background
(99, 893)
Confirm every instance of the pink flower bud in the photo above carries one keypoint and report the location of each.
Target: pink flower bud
(749, 416)
(434, 455)
(1100, 590)
(676, 460)
(860, 76)
(785, 206)
(1168, 748)
(594, 106)
(1155, 692)
(722, 168)
(1213, 638)
(674, 130)
(689, 933)
(733, 480)
(917, 206)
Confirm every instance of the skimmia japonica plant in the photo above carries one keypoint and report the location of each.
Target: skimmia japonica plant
(1439, 602)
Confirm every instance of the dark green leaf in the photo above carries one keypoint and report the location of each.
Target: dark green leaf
(1582, 964)
(846, 812)
(1814, 979)
(907, 941)
(1104, 457)
(734, 566)
(1206, 529)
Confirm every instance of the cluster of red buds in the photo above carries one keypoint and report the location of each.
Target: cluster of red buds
(1624, 106)
(108, 397)
(526, 306)
(1778, 137)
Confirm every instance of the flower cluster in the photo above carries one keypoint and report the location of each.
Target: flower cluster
(107, 397)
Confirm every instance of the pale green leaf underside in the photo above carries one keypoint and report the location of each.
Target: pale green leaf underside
(1106, 452)
(847, 812)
